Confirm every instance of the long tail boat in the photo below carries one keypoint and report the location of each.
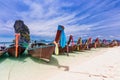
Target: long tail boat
(45, 51)
(79, 45)
(22, 39)
(68, 48)
(71, 47)
(16, 49)
(104, 43)
(96, 43)
(60, 42)
(88, 44)
(2, 50)
(114, 43)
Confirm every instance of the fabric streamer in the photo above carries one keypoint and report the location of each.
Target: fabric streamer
(56, 49)
(62, 37)
(78, 48)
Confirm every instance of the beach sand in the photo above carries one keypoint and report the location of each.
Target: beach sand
(94, 64)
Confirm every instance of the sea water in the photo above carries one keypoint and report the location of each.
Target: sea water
(5, 44)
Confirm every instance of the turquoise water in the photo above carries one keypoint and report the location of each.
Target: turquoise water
(9, 43)
(5, 43)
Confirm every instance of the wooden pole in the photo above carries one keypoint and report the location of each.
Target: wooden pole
(17, 35)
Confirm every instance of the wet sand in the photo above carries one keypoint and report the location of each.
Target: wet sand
(96, 64)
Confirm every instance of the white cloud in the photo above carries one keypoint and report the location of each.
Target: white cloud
(43, 17)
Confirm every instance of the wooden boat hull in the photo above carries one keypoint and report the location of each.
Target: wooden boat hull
(62, 50)
(114, 43)
(86, 46)
(66, 49)
(72, 48)
(2, 52)
(42, 52)
(104, 45)
(79, 47)
(11, 50)
(95, 45)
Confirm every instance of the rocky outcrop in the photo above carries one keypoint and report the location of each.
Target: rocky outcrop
(21, 28)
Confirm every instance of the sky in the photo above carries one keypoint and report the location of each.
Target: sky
(81, 18)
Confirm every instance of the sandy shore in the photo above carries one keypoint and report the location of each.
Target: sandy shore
(96, 64)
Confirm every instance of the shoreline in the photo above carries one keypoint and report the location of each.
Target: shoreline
(28, 68)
